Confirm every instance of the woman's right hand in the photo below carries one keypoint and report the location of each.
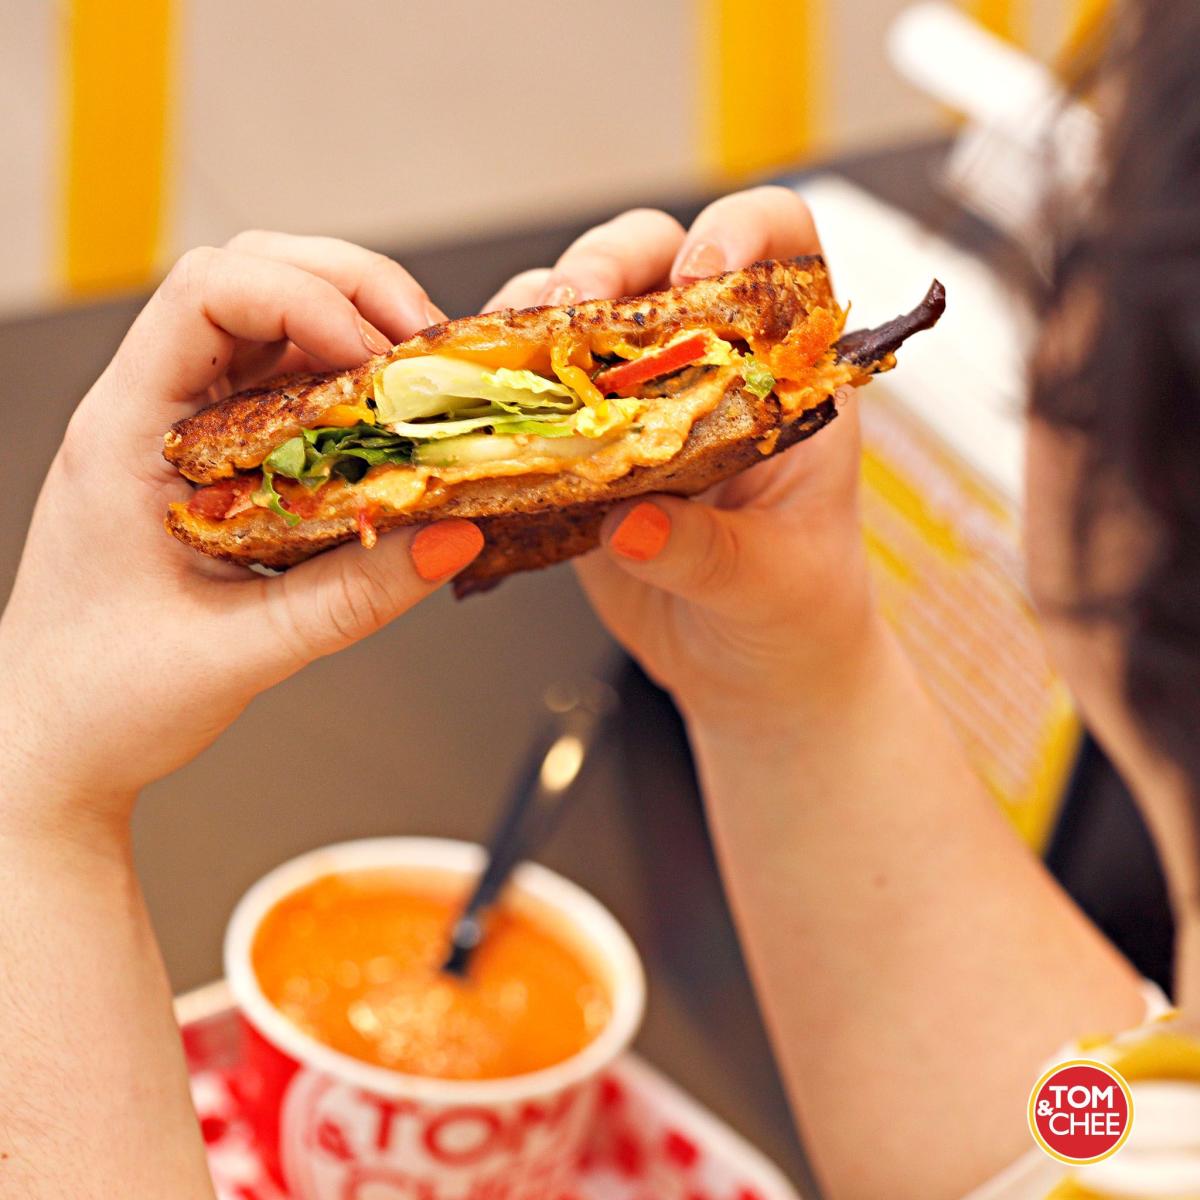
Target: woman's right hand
(752, 604)
(123, 652)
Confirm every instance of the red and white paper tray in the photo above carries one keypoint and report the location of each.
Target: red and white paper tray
(651, 1141)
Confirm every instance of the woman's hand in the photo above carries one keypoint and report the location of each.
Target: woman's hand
(754, 604)
(124, 653)
(875, 883)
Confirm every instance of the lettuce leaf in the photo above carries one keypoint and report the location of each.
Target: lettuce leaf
(436, 385)
(432, 431)
(433, 397)
(549, 428)
(287, 459)
(336, 449)
(757, 379)
(268, 497)
(313, 455)
(591, 422)
(430, 399)
(549, 392)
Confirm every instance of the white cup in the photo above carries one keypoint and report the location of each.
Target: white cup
(332, 1127)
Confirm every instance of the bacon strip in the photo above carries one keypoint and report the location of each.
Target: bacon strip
(226, 498)
(866, 346)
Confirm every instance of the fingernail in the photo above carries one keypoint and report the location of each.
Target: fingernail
(441, 549)
(433, 314)
(700, 260)
(558, 294)
(642, 534)
(372, 338)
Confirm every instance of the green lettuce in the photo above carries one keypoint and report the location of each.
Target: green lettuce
(591, 422)
(427, 400)
(434, 397)
(549, 392)
(435, 385)
(757, 379)
(268, 497)
(314, 455)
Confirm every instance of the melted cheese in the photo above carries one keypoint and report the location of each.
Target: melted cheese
(394, 489)
(345, 415)
(662, 430)
(658, 436)
(797, 396)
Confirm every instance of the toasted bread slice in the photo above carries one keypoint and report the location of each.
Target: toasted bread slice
(759, 304)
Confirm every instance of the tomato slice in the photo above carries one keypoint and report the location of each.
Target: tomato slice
(624, 379)
(224, 499)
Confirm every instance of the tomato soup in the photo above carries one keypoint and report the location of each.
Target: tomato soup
(353, 960)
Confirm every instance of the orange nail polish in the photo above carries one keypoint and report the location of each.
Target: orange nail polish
(558, 295)
(440, 550)
(372, 338)
(642, 534)
(701, 260)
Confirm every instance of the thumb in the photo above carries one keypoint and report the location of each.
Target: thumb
(336, 599)
(692, 550)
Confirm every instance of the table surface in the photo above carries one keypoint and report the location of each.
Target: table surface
(447, 699)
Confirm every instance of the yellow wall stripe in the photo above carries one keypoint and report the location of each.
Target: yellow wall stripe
(117, 83)
(1085, 18)
(763, 82)
(1005, 18)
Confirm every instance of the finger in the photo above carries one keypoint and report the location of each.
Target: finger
(184, 338)
(257, 366)
(378, 286)
(521, 291)
(256, 362)
(694, 551)
(626, 605)
(817, 476)
(763, 222)
(629, 254)
(338, 598)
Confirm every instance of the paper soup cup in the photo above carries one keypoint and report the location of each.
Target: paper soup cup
(331, 1127)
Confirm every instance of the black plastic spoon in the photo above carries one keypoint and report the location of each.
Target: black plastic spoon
(557, 760)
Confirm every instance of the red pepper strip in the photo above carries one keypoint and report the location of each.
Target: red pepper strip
(624, 379)
(224, 499)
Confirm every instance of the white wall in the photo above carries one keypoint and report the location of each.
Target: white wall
(393, 121)
(29, 150)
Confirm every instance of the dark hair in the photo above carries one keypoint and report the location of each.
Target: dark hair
(1133, 263)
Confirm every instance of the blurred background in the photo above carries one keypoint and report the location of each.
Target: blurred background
(473, 140)
(137, 128)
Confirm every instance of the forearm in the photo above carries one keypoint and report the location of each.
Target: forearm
(915, 963)
(93, 1089)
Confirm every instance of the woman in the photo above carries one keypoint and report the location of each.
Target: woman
(915, 964)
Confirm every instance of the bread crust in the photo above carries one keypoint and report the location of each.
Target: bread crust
(760, 303)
